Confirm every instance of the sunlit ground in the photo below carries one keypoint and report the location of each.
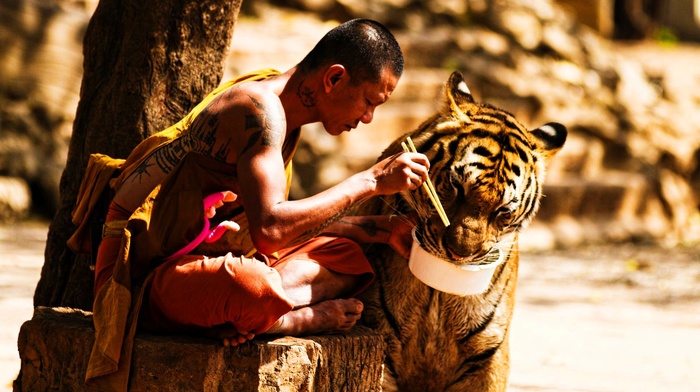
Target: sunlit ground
(21, 258)
(611, 318)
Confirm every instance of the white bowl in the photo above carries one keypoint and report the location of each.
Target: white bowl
(448, 277)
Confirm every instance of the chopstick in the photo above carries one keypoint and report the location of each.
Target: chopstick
(428, 186)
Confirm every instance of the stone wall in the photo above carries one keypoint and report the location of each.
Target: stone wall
(629, 169)
(40, 74)
(628, 172)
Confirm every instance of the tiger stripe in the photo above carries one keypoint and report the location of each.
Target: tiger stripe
(488, 172)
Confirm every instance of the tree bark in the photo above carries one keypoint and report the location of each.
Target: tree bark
(146, 64)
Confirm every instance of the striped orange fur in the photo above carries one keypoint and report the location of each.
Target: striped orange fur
(488, 171)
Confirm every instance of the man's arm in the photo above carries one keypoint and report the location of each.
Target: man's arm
(394, 230)
(362, 229)
(275, 222)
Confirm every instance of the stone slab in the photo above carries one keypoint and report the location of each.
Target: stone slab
(54, 347)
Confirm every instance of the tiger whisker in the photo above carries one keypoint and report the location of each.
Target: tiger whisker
(394, 209)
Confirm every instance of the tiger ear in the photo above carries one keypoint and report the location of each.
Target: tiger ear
(549, 138)
(459, 100)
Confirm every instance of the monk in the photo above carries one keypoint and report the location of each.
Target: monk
(270, 265)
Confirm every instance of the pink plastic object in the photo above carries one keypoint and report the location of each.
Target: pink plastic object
(205, 235)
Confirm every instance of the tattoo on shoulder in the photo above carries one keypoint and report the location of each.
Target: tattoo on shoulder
(257, 103)
(252, 121)
(203, 135)
(306, 95)
(256, 120)
(268, 128)
(273, 137)
(251, 142)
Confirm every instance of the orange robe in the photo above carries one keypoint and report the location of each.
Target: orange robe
(237, 286)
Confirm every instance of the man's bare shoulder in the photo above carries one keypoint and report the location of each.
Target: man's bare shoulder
(251, 99)
(265, 91)
(255, 109)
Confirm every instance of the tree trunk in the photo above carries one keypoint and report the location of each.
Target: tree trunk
(146, 65)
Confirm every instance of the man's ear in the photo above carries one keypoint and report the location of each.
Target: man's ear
(333, 75)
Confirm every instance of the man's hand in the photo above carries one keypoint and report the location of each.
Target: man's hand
(211, 203)
(400, 172)
(400, 238)
(216, 200)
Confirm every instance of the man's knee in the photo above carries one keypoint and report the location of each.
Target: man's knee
(198, 291)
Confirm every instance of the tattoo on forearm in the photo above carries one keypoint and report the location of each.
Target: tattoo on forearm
(169, 156)
(313, 232)
(141, 170)
(370, 227)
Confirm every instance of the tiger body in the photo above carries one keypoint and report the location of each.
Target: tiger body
(488, 171)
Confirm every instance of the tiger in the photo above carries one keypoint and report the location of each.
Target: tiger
(488, 171)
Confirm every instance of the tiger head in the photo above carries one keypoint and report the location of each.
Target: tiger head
(487, 170)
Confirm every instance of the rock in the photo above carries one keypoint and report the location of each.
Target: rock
(15, 199)
(562, 42)
(55, 345)
(41, 67)
(522, 26)
(537, 237)
(530, 57)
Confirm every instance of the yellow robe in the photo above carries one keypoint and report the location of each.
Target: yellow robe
(150, 234)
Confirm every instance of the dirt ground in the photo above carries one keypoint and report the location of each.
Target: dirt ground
(608, 318)
(604, 318)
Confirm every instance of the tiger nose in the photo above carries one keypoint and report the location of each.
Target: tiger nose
(464, 243)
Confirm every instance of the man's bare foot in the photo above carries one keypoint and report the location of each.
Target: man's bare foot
(326, 316)
(230, 336)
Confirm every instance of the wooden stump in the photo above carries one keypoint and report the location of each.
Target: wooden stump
(54, 347)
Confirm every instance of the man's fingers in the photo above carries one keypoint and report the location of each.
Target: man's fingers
(229, 196)
(418, 158)
(418, 165)
(210, 212)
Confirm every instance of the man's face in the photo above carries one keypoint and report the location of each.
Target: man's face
(349, 105)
